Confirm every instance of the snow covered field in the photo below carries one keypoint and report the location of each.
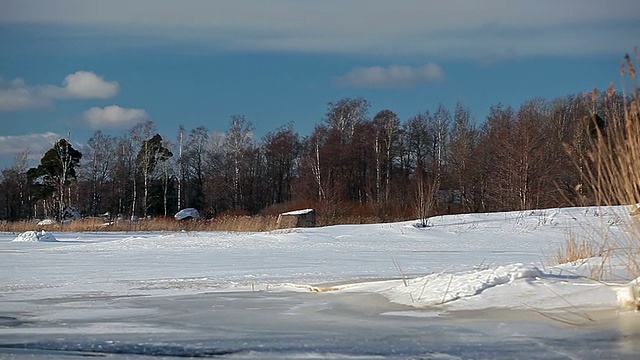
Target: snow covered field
(362, 291)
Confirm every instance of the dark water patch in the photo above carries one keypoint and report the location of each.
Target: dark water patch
(385, 346)
(11, 321)
(96, 349)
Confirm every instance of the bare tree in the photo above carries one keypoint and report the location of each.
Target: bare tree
(237, 141)
(439, 128)
(418, 140)
(426, 187)
(123, 175)
(193, 164)
(387, 132)
(181, 170)
(530, 157)
(16, 197)
(217, 183)
(282, 150)
(167, 171)
(463, 141)
(139, 133)
(315, 143)
(98, 164)
(344, 114)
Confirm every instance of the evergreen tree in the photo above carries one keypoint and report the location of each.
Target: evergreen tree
(151, 152)
(54, 174)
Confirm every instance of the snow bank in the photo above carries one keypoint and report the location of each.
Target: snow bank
(436, 289)
(33, 236)
(628, 296)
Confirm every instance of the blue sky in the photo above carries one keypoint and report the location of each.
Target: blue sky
(79, 66)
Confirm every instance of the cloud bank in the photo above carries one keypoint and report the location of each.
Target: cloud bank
(391, 76)
(17, 95)
(113, 116)
(448, 29)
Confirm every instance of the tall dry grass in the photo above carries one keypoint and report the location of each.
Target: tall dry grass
(240, 223)
(612, 172)
(223, 223)
(575, 249)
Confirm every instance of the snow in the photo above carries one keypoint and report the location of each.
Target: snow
(628, 295)
(34, 236)
(441, 288)
(298, 212)
(461, 262)
(46, 222)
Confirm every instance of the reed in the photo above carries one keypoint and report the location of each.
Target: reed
(611, 170)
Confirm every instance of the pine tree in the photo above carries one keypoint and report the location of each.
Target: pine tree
(54, 174)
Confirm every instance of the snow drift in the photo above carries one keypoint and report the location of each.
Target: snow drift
(47, 222)
(442, 288)
(34, 236)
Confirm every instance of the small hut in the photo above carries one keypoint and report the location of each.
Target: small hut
(297, 218)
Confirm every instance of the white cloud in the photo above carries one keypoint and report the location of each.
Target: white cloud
(451, 29)
(17, 95)
(391, 76)
(35, 144)
(82, 85)
(114, 116)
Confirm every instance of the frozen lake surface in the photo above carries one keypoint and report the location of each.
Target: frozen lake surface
(265, 325)
(469, 287)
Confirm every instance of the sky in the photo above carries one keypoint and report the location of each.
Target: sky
(71, 67)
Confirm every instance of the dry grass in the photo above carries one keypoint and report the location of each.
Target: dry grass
(223, 223)
(612, 175)
(575, 250)
(245, 223)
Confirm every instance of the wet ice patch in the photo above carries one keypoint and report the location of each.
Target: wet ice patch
(34, 236)
(441, 288)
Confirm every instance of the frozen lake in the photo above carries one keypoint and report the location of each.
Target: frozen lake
(469, 287)
(280, 325)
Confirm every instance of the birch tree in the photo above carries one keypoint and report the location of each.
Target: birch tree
(237, 142)
(99, 161)
(463, 139)
(387, 131)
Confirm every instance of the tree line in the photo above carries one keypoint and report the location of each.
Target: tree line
(352, 165)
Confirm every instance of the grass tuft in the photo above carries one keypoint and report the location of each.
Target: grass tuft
(575, 250)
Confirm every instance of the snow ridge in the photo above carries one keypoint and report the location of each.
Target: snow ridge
(441, 288)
